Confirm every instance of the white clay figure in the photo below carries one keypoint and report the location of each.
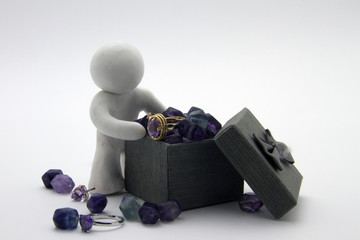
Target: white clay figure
(117, 68)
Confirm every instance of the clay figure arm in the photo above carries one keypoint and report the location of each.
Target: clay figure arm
(151, 103)
(107, 124)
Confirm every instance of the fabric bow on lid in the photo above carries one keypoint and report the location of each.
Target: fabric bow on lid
(276, 153)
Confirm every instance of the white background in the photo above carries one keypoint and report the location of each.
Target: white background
(294, 64)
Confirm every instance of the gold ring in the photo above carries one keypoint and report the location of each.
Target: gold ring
(158, 125)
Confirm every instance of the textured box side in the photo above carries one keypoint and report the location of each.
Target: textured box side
(200, 175)
(277, 189)
(146, 169)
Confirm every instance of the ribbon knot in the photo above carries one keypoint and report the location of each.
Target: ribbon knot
(275, 152)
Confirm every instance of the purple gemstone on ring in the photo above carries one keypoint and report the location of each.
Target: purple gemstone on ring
(86, 222)
(153, 129)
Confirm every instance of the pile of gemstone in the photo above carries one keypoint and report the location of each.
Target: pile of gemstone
(130, 206)
(196, 126)
(148, 212)
(55, 179)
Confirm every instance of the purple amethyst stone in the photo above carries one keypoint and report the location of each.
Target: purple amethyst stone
(172, 112)
(173, 137)
(213, 124)
(193, 109)
(66, 218)
(149, 213)
(199, 118)
(86, 222)
(191, 131)
(169, 210)
(249, 202)
(153, 129)
(49, 176)
(97, 203)
(62, 183)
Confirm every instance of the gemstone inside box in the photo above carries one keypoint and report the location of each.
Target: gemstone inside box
(195, 174)
(213, 171)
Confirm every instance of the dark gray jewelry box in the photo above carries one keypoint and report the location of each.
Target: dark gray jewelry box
(211, 171)
(195, 174)
(277, 189)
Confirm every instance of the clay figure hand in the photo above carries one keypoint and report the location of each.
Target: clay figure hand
(117, 68)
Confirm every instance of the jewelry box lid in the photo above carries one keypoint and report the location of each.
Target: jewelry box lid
(265, 164)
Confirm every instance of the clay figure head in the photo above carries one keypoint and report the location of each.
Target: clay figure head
(117, 68)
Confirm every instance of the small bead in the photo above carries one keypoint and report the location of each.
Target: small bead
(97, 203)
(66, 218)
